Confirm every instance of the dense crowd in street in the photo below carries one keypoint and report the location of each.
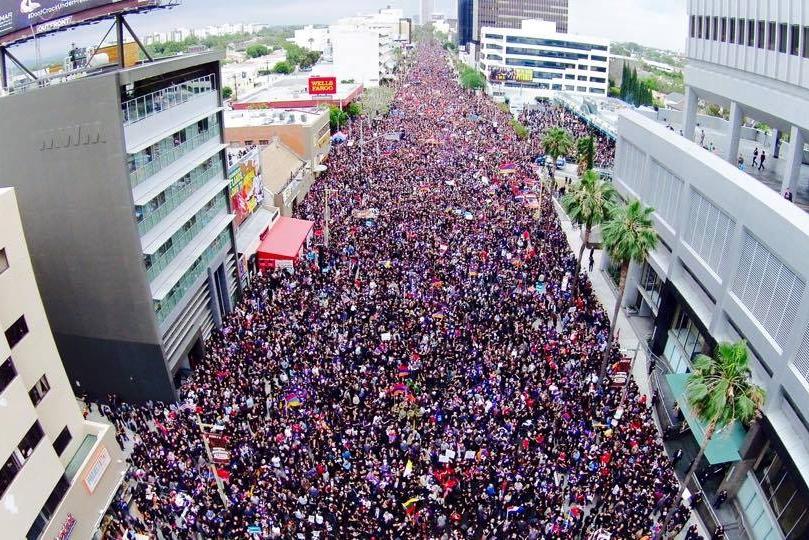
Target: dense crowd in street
(427, 375)
(545, 115)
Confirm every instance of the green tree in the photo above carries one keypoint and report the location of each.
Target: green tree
(519, 129)
(556, 143)
(472, 79)
(309, 58)
(283, 67)
(585, 150)
(721, 392)
(257, 50)
(588, 202)
(628, 235)
(227, 91)
(337, 117)
(353, 109)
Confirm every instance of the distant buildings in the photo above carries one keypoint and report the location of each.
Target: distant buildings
(536, 61)
(425, 11)
(511, 13)
(314, 39)
(180, 34)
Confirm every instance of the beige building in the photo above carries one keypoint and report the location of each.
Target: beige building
(287, 178)
(59, 471)
(304, 131)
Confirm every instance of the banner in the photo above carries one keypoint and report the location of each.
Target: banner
(319, 86)
(500, 74)
(246, 186)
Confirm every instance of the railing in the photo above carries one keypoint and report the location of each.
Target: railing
(170, 155)
(143, 107)
(165, 306)
(175, 195)
(183, 237)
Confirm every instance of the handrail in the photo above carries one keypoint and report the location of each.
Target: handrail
(142, 107)
(171, 155)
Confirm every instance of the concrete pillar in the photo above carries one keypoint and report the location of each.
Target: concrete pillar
(632, 278)
(733, 133)
(214, 304)
(690, 114)
(794, 161)
(774, 144)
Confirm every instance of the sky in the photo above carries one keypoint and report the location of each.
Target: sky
(657, 23)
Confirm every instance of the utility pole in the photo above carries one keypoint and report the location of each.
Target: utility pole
(326, 216)
(219, 485)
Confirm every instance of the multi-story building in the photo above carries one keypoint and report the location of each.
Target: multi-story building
(314, 39)
(362, 50)
(466, 18)
(121, 178)
(59, 471)
(733, 257)
(511, 13)
(425, 11)
(536, 61)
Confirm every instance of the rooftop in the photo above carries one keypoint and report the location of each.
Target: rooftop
(305, 116)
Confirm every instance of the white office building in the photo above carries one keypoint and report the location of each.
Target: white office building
(314, 39)
(59, 471)
(733, 257)
(536, 62)
(362, 51)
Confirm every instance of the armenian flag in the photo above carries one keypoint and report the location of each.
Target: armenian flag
(293, 400)
(399, 388)
(404, 370)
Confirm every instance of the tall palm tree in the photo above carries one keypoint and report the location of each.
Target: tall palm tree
(585, 149)
(720, 392)
(628, 236)
(557, 142)
(588, 202)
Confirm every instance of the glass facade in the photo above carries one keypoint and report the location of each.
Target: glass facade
(651, 284)
(142, 107)
(684, 341)
(555, 43)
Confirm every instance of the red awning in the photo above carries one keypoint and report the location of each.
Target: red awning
(284, 240)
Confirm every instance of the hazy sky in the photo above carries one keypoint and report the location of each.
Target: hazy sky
(659, 23)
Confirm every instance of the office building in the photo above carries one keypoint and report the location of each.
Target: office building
(511, 13)
(121, 179)
(314, 39)
(733, 258)
(465, 21)
(59, 471)
(536, 61)
(362, 51)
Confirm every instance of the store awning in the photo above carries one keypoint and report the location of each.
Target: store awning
(725, 445)
(285, 239)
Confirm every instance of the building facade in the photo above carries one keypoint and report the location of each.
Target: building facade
(59, 471)
(361, 53)
(732, 260)
(511, 13)
(314, 39)
(135, 254)
(536, 61)
(466, 21)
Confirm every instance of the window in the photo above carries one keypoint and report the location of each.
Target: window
(7, 373)
(723, 34)
(598, 79)
(581, 88)
(248, 142)
(699, 27)
(39, 390)
(598, 58)
(740, 35)
(48, 509)
(62, 441)
(202, 125)
(715, 29)
(9, 471)
(651, 283)
(569, 87)
(794, 40)
(707, 27)
(581, 78)
(806, 41)
(786, 494)
(556, 87)
(762, 26)
(493, 36)
(16, 331)
(751, 33)
(732, 31)
(263, 142)
(691, 26)
(30, 441)
(598, 69)
(3, 260)
(782, 37)
(570, 77)
(596, 90)
(771, 26)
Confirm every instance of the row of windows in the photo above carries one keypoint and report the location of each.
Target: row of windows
(20, 455)
(554, 43)
(770, 35)
(48, 509)
(545, 53)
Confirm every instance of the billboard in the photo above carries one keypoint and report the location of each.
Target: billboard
(42, 16)
(320, 86)
(511, 74)
(246, 186)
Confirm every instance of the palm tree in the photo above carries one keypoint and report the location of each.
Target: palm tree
(557, 142)
(720, 392)
(628, 236)
(585, 149)
(588, 202)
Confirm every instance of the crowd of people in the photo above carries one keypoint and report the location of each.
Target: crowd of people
(428, 374)
(545, 115)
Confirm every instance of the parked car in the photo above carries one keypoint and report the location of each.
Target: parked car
(560, 163)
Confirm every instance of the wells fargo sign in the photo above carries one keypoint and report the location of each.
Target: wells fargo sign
(322, 85)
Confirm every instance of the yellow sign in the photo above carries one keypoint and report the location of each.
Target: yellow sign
(524, 75)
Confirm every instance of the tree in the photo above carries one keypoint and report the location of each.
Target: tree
(628, 235)
(257, 50)
(227, 91)
(588, 202)
(283, 67)
(519, 129)
(337, 117)
(720, 391)
(472, 79)
(556, 143)
(585, 149)
(353, 109)
(309, 58)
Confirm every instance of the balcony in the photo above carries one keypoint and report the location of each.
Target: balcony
(152, 117)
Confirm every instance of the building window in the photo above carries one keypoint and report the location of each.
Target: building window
(570, 77)
(16, 331)
(263, 142)
(723, 35)
(62, 441)
(806, 41)
(3, 260)
(771, 27)
(39, 390)
(786, 495)
(783, 28)
(248, 142)
(582, 77)
(48, 509)
(707, 27)
(740, 35)
(751, 33)
(760, 31)
(598, 58)
(569, 87)
(699, 27)
(9, 471)
(732, 31)
(651, 283)
(581, 88)
(691, 26)
(598, 79)
(30, 441)
(7, 373)
(795, 40)
(684, 341)
(715, 29)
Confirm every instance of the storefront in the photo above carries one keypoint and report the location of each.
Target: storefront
(284, 244)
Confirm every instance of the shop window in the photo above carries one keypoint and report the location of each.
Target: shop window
(39, 390)
(16, 331)
(7, 373)
(62, 441)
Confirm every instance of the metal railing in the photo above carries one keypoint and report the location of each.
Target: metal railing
(175, 195)
(147, 105)
(183, 237)
(170, 155)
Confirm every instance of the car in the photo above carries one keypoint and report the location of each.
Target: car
(539, 160)
(560, 163)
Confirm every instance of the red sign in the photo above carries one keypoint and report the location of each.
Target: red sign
(319, 86)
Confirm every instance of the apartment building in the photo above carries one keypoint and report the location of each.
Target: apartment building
(733, 260)
(536, 61)
(362, 48)
(121, 179)
(59, 471)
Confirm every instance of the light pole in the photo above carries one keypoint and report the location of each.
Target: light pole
(219, 485)
(326, 215)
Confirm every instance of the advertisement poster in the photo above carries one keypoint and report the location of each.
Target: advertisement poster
(510, 74)
(246, 187)
(319, 86)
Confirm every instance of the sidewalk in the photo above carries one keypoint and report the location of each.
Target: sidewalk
(628, 340)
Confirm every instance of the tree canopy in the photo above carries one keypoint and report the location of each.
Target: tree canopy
(634, 90)
(257, 50)
(472, 79)
(283, 67)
